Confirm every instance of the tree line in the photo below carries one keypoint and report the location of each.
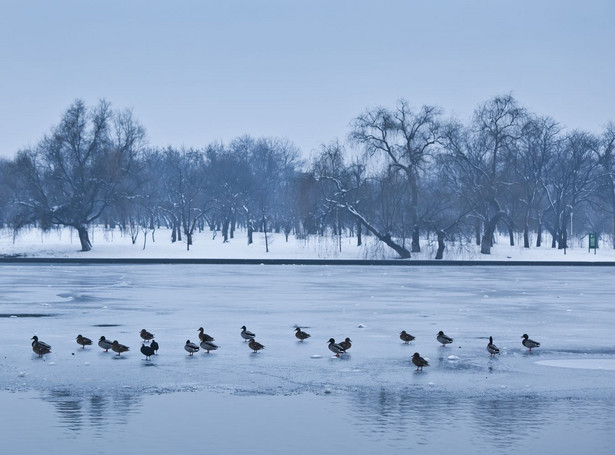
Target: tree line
(403, 175)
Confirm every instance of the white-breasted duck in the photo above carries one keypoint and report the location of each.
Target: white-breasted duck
(83, 341)
(40, 347)
(255, 345)
(492, 348)
(205, 337)
(119, 348)
(405, 337)
(444, 339)
(529, 343)
(246, 334)
(419, 361)
(301, 335)
(191, 347)
(346, 344)
(335, 348)
(208, 346)
(105, 344)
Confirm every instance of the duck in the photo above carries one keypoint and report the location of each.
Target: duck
(492, 348)
(405, 337)
(246, 334)
(419, 361)
(335, 348)
(204, 337)
(529, 343)
(346, 344)
(255, 345)
(40, 347)
(155, 346)
(105, 344)
(119, 348)
(146, 335)
(83, 341)
(191, 347)
(209, 346)
(301, 335)
(147, 351)
(444, 339)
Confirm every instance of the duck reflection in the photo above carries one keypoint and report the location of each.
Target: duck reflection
(97, 412)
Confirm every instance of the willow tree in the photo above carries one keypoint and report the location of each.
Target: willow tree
(78, 170)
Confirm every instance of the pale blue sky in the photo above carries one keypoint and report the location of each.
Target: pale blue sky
(199, 71)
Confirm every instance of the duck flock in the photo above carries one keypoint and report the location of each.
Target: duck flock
(149, 346)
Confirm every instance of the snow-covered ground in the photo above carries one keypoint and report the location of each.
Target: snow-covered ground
(297, 397)
(64, 243)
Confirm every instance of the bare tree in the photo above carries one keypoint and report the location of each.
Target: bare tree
(77, 170)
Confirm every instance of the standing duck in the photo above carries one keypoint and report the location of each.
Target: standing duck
(255, 345)
(83, 341)
(40, 347)
(210, 346)
(146, 335)
(405, 337)
(105, 344)
(492, 348)
(419, 361)
(147, 351)
(119, 348)
(203, 336)
(346, 344)
(246, 334)
(301, 335)
(335, 348)
(154, 346)
(529, 343)
(444, 339)
(191, 347)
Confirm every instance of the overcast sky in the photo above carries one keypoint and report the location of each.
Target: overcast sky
(194, 72)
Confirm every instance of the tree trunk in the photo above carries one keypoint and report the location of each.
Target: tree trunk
(225, 227)
(416, 246)
(440, 252)
(489, 231)
(84, 238)
(250, 232)
(526, 236)
(265, 232)
(511, 235)
(477, 232)
(360, 240)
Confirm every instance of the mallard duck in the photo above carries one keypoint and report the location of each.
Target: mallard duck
(83, 341)
(255, 345)
(405, 337)
(346, 344)
(40, 347)
(191, 347)
(419, 361)
(204, 337)
(119, 348)
(154, 346)
(147, 351)
(301, 335)
(335, 348)
(529, 343)
(444, 339)
(105, 344)
(146, 335)
(208, 346)
(246, 334)
(492, 348)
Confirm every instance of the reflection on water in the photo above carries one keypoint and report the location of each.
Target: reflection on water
(363, 421)
(99, 412)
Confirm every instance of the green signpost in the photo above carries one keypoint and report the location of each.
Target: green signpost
(593, 242)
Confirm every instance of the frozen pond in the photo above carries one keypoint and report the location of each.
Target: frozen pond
(296, 397)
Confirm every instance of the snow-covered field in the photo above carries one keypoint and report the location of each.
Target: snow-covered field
(297, 397)
(64, 243)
